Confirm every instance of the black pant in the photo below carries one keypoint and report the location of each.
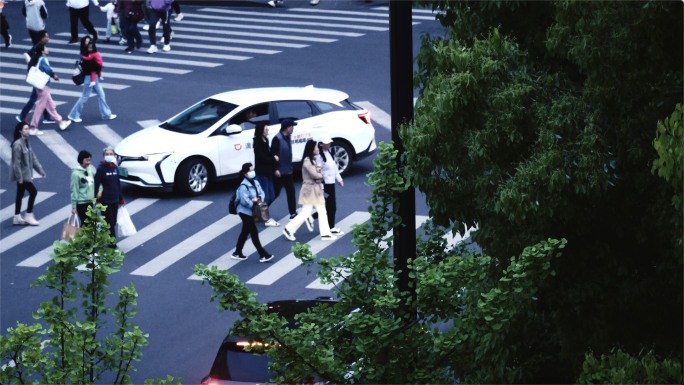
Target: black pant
(81, 210)
(21, 188)
(330, 204)
(4, 28)
(176, 7)
(110, 215)
(35, 36)
(165, 18)
(287, 182)
(83, 15)
(249, 228)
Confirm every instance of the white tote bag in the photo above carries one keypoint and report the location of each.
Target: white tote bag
(124, 224)
(36, 77)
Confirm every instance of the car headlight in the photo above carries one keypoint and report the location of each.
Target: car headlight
(156, 157)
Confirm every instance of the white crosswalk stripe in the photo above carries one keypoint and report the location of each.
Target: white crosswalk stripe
(43, 256)
(208, 37)
(187, 246)
(290, 262)
(317, 284)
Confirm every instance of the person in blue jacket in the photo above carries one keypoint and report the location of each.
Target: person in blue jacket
(248, 193)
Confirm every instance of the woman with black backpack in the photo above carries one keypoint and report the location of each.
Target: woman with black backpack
(248, 194)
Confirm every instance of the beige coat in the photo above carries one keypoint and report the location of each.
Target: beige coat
(311, 192)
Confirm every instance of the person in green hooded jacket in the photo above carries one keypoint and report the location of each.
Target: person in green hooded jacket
(82, 185)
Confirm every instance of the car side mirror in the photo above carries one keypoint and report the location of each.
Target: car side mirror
(232, 129)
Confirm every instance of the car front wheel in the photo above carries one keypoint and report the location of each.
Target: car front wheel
(343, 156)
(192, 177)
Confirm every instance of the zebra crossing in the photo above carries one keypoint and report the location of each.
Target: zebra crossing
(208, 37)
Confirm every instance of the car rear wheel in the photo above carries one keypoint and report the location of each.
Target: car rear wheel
(192, 177)
(343, 156)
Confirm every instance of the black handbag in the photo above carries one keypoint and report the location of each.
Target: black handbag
(78, 76)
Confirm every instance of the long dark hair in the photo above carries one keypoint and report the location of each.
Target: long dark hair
(259, 131)
(322, 152)
(308, 151)
(17, 130)
(85, 40)
(38, 53)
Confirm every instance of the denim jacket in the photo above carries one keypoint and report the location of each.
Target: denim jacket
(245, 193)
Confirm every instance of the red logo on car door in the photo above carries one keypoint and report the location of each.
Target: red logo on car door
(237, 146)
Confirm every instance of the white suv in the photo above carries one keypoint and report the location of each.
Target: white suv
(213, 138)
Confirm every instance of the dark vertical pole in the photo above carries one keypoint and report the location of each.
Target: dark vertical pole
(401, 80)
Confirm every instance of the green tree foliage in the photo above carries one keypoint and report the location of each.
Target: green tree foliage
(70, 345)
(537, 120)
(469, 306)
(619, 367)
(670, 162)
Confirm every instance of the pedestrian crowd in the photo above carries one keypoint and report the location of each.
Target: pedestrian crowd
(122, 17)
(262, 181)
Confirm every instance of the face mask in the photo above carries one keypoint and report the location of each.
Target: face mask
(251, 174)
(110, 159)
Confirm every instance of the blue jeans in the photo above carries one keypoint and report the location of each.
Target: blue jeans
(105, 112)
(266, 183)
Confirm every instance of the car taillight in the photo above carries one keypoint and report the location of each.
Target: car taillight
(365, 116)
(244, 344)
(209, 381)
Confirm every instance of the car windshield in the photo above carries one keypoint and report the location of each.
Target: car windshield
(199, 117)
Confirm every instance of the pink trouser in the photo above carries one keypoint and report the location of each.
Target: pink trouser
(44, 102)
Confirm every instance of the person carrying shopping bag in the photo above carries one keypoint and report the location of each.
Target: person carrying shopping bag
(249, 193)
(82, 185)
(44, 101)
(310, 196)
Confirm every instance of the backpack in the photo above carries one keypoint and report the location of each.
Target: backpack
(232, 205)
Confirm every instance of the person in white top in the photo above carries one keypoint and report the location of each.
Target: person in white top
(331, 175)
(80, 10)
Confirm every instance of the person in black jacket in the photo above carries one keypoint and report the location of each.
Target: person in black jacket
(264, 165)
(281, 146)
(108, 188)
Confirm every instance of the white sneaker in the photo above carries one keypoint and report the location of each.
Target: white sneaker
(328, 237)
(271, 3)
(76, 120)
(336, 231)
(18, 220)
(152, 49)
(111, 117)
(288, 235)
(146, 27)
(179, 17)
(314, 2)
(64, 124)
(271, 223)
(310, 223)
(35, 131)
(167, 47)
(30, 219)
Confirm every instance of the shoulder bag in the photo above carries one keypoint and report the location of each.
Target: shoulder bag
(36, 77)
(78, 76)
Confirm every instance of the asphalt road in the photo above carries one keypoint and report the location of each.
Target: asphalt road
(337, 44)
